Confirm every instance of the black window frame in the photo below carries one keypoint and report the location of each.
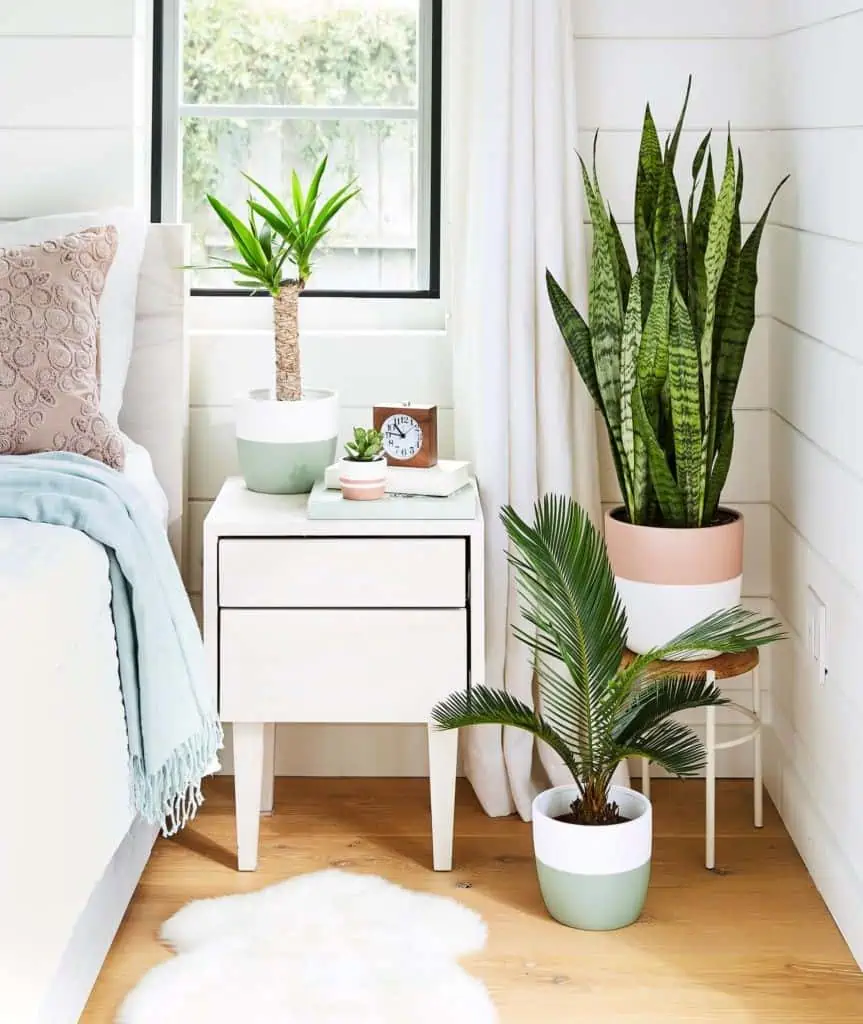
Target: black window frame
(435, 151)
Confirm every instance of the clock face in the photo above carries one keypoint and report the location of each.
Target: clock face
(403, 436)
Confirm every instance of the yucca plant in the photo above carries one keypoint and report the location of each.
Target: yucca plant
(663, 346)
(366, 446)
(594, 711)
(270, 239)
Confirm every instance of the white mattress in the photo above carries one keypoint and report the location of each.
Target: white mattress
(63, 755)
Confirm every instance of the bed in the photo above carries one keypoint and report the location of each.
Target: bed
(71, 849)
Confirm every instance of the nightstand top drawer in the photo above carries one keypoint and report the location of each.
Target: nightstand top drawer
(342, 572)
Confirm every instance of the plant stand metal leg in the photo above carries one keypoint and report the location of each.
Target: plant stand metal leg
(443, 760)
(269, 775)
(758, 766)
(710, 786)
(645, 777)
(248, 772)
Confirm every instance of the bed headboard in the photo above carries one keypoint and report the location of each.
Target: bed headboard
(156, 400)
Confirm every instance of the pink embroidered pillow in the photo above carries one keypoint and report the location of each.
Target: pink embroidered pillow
(49, 347)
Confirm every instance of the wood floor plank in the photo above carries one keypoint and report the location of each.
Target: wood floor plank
(749, 942)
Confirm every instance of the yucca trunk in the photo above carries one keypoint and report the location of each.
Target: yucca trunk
(289, 386)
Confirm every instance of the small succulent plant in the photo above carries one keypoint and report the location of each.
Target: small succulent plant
(366, 446)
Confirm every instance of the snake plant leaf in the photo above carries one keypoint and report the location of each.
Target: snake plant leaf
(725, 300)
(576, 335)
(668, 209)
(714, 264)
(652, 365)
(685, 393)
(624, 271)
(719, 473)
(646, 192)
(604, 314)
(738, 326)
(628, 358)
(698, 231)
(665, 486)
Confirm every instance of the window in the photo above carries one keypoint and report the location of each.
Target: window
(266, 86)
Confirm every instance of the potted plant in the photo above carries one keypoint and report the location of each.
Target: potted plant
(592, 840)
(286, 438)
(363, 470)
(661, 355)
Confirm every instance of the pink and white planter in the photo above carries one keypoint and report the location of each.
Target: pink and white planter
(363, 481)
(670, 579)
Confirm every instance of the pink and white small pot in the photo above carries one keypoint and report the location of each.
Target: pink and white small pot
(669, 578)
(363, 481)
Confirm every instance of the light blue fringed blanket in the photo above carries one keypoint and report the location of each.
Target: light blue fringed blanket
(173, 729)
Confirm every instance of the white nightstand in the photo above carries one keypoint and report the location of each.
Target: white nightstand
(337, 621)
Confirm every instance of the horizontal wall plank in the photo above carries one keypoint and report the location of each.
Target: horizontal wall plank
(816, 70)
(617, 162)
(796, 14)
(67, 18)
(820, 497)
(818, 390)
(616, 77)
(749, 476)
(55, 170)
(823, 193)
(669, 19)
(213, 449)
(815, 287)
(365, 368)
(43, 84)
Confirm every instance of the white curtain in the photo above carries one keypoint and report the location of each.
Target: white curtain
(522, 416)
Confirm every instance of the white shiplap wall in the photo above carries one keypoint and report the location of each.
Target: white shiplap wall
(74, 101)
(628, 53)
(816, 430)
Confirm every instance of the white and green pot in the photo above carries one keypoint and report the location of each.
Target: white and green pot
(284, 447)
(593, 877)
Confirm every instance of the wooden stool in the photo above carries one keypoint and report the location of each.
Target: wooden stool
(725, 666)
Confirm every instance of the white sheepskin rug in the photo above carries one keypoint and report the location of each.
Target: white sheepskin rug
(326, 948)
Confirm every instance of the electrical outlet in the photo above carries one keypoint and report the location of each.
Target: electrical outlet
(816, 633)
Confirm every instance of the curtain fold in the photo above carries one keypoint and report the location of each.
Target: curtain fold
(522, 415)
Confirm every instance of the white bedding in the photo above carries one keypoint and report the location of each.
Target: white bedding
(63, 758)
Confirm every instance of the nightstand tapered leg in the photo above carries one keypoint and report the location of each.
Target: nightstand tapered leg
(248, 778)
(269, 773)
(443, 757)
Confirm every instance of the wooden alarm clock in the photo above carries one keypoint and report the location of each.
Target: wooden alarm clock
(409, 434)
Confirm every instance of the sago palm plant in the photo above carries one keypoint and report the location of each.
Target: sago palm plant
(662, 347)
(594, 711)
(272, 238)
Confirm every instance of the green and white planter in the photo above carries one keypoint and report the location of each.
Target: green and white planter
(284, 447)
(593, 877)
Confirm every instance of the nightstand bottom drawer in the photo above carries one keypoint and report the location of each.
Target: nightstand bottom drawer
(336, 665)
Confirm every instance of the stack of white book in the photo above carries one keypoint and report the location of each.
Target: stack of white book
(442, 480)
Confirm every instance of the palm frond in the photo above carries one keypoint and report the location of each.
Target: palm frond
(672, 745)
(659, 699)
(729, 631)
(482, 705)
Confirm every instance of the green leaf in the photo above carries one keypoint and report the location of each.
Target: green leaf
(671, 745)
(714, 264)
(646, 193)
(628, 356)
(664, 485)
(659, 698)
(624, 272)
(684, 389)
(297, 193)
(279, 206)
(698, 247)
(668, 226)
(576, 335)
(730, 631)
(246, 244)
(738, 326)
(652, 364)
(719, 474)
(481, 705)
(605, 313)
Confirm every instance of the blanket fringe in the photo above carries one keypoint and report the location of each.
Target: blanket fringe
(172, 796)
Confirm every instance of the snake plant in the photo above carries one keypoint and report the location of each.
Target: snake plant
(663, 346)
(595, 708)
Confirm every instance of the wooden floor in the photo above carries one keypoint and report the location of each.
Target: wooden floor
(749, 942)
